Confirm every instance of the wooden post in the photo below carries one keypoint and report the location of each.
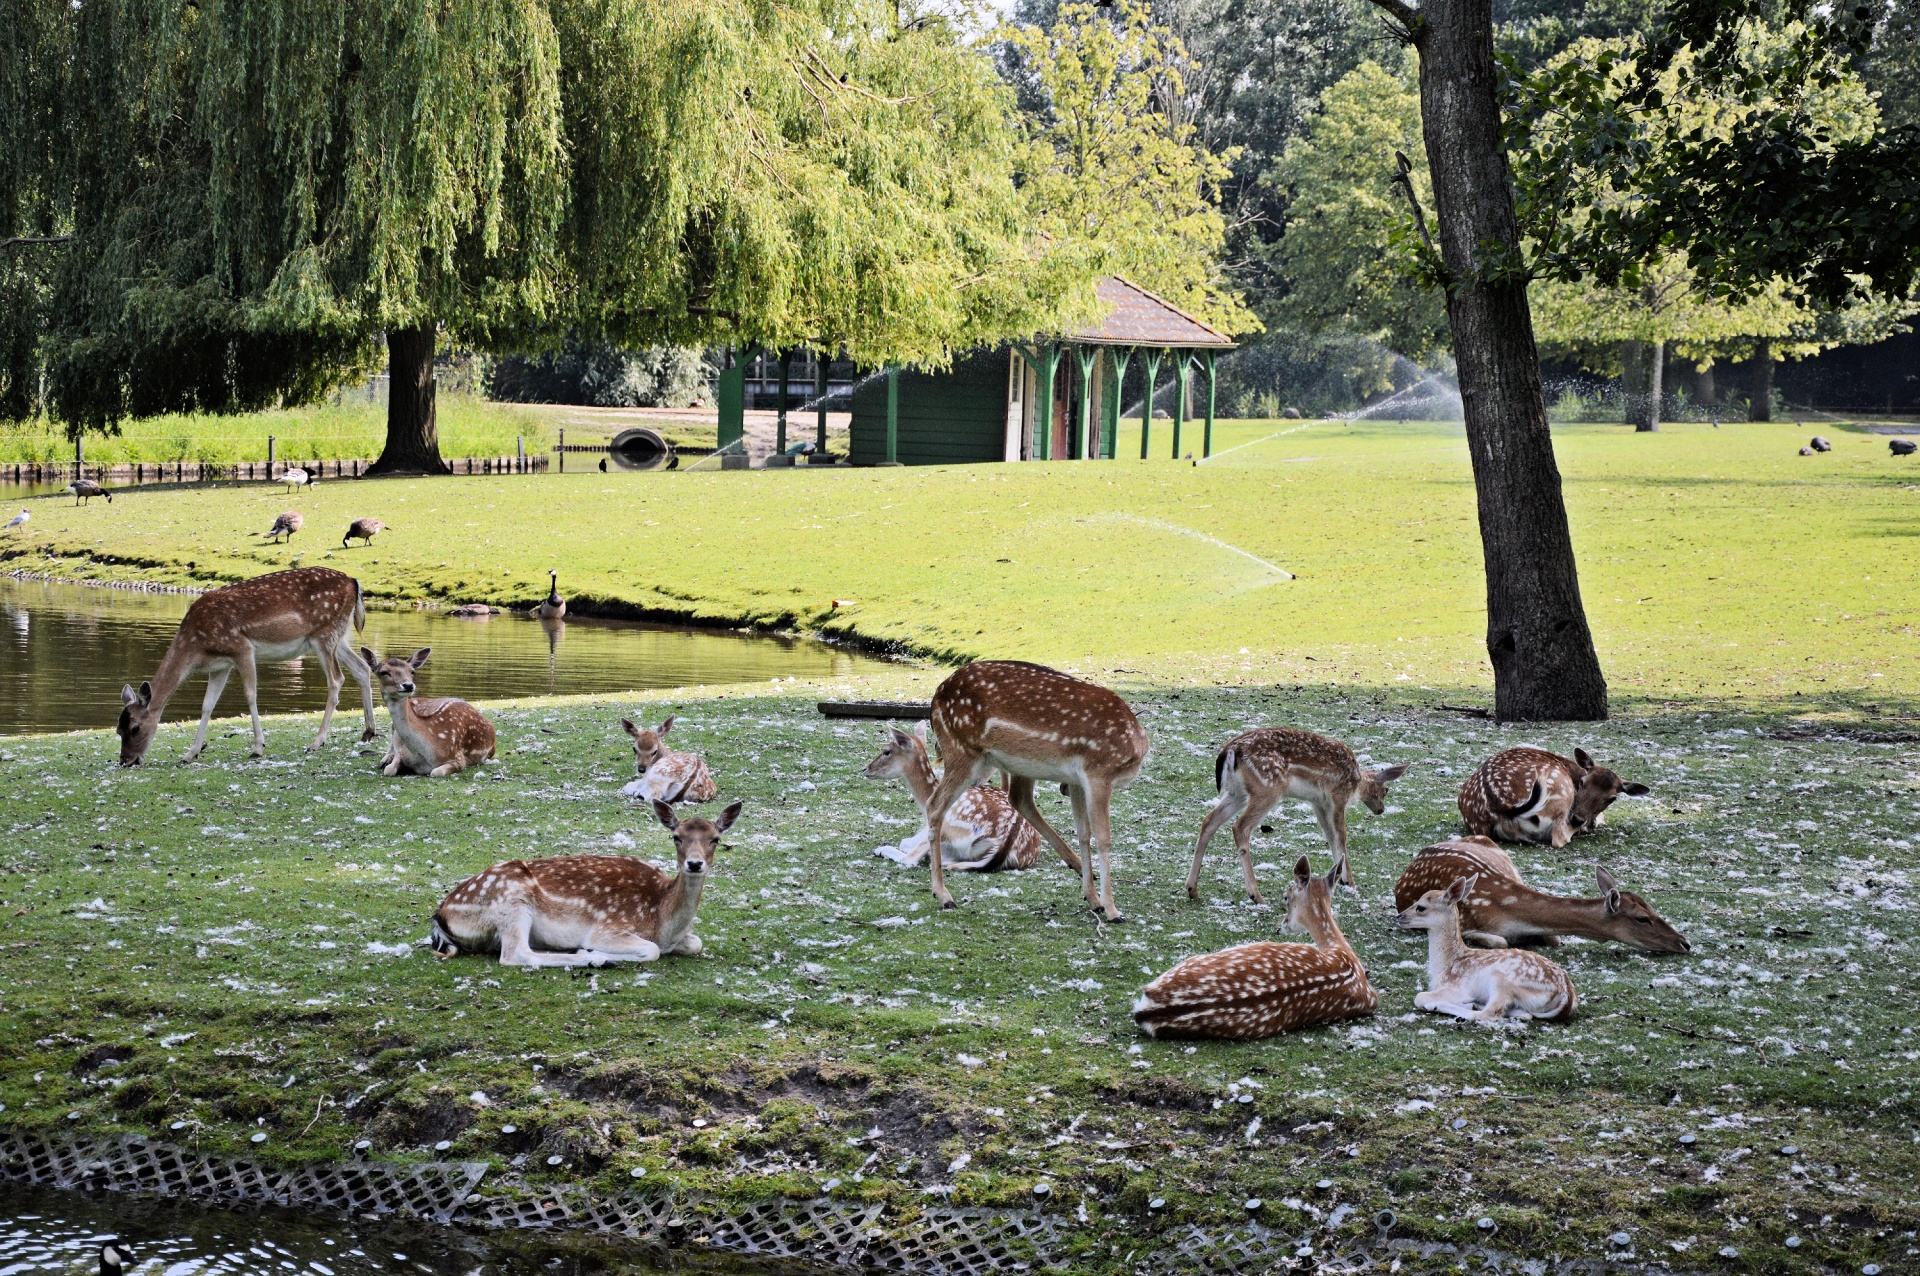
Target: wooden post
(1110, 428)
(780, 421)
(1179, 397)
(1206, 440)
(1146, 407)
(893, 416)
(79, 458)
(820, 361)
(520, 453)
(562, 449)
(1082, 444)
(1044, 367)
(270, 442)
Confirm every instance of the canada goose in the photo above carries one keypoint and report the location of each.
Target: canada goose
(86, 489)
(18, 520)
(554, 607)
(297, 477)
(362, 529)
(114, 1258)
(287, 524)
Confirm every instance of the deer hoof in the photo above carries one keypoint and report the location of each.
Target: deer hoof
(369, 734)
(1193, 893)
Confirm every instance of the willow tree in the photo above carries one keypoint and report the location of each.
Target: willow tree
(267, 188)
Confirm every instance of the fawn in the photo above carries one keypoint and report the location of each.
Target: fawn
(1256, 770)
(1531, 795)
(1485, 985)
(1501, 910)
(666, 775)
(430, 737)
(982, 832)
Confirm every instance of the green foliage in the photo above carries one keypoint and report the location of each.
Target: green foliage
(1112, 172)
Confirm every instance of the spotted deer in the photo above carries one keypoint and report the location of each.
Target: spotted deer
(666, 775)
(983, 833)
(308, 611)
(1531, 795)
(586, 910)
(1037, 724)
(1257, 990)
(1257, 770)
(1482, 984)
(434, 737)
(1502, 911)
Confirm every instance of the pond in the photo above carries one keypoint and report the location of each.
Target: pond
(66, 650)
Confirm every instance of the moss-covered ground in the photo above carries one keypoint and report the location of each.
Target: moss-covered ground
(233, 945)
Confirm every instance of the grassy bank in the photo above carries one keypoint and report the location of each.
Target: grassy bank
(1714, 562)
(232, 946)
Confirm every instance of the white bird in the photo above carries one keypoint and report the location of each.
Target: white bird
(18, 520)
(296, 477)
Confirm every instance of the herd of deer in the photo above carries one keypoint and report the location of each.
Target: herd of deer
(1026, 724)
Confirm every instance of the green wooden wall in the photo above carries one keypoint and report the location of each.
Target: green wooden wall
(946, 418)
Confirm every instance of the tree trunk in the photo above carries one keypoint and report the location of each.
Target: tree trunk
(1644, 400)
(413, 429)
(1633, 380)
(1544, 664)
(1761, 408)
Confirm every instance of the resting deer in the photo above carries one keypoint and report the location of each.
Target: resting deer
(1502, 910)
(309, 611)
(982, 834)
(1531, 795)
(1036, 723)
(1487, 985)
(1257, 990)
(666, 775)
(430, 737)
(1258, 769)
(585, 910)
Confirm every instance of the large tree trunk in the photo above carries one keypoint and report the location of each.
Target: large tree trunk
(1544, 665)
(1646, 384)
(1761, 408)
(413, 429)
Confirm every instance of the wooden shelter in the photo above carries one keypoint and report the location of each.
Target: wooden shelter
(1048, 399)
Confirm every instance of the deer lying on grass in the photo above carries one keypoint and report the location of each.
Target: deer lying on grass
(430, 737)
(1036, 723)
(309, 611)
(1501, 910)
(1531, 795)
(1258, 769)
(1257, 990)
(982, 833)
(666, 775)
(585, 910)
(1487, 985)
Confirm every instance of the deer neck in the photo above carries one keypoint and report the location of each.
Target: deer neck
(920, 780)
(1586, 918)
(1444, 948)
(678, 906)
(173, 670)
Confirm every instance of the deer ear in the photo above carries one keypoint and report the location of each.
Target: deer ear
(1580, 756)
(727, 817)
(1461, 885)
(664, 813)
(626, 724)
(896, 736)
(1335, 873)
(920, 731)
(666, 726)
(419, 657)
(1388, 774)
(1302, 871)
(1608, 888)
(146, 694)
(1635, 789)
(366, 654)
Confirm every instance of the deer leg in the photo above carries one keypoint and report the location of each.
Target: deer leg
(330, 665)
(1243, 842)
(1333, 824)
(1496, 1008)
(605, 947)
(216, 683)
(250, 683)
(1099, 797)
(1484, 938)
(954, 779)
(1225, 807)
(516, 945)
(362, 674)
(1021, 795)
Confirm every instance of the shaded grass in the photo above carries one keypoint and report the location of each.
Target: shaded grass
(239, 937)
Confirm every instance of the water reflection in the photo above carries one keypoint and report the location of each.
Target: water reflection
(66, 650)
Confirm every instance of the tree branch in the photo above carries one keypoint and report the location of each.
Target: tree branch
(1404, 180)
(35, 240)
(1403, 15)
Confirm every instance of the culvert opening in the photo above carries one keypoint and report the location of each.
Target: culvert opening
(640, 449)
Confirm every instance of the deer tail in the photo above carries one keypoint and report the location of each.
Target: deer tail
(1514, 812)
(1229, 759)
(359, 609)
(443, 944)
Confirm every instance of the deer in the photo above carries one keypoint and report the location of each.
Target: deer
(1260, 989)
(666, 775)
(307, 611)
(362, 530)
(982, 833)
(585, 910)
(1037, 724)
(430, 737)
(1258, 769)
(1531, 795)
(1487, 985)
(1502, 911)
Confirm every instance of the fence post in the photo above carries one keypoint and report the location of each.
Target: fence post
(269, 457)
(562, 449)
(79, 458)
(520, 452)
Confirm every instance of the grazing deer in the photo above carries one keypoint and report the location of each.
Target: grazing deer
(1531, 795)
(286, 525)
(667, 775)
(585, 910)
(363, 530)
(1257, 990)
(982, 834)
(1487, 985)
(84, 490)
(1502, 910)
(1258, 769)
(308, 611)
(1036, 723)
(430, 737)
(553, 606)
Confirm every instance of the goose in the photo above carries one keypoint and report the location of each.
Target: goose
(362, 529)
(297, 477)
(554, 607)
(18, 520)
(86, 489)
(114, 1258)
(287, 524)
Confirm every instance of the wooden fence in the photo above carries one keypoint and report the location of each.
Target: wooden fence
(240, 471)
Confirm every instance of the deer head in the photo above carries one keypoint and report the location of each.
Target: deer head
(1633, 921)
(396, 673)
(1594, 790)
(696, 838)
(1373, 786)
(1438, 908)
(649, 746)
(139, 723)
(1304, 902)
(899, 754)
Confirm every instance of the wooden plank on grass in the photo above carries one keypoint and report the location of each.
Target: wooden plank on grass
(876, 708)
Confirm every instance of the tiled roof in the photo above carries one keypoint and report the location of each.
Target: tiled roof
(1135, 317)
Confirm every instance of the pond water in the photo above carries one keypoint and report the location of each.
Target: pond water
(66, 650)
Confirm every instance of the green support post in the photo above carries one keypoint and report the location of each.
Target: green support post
(1110, 442)
(1206, 441)
(1146, 407)
(780, 425)
(731, 392)
(893, 416)
(1078, 447)
(1044, 368)
(820, 361)
(1179, 398)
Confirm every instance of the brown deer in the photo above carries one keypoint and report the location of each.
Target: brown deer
(430, 737)
(1531, 795)
(983, 833)
(667, 775)
(1256, 770)
(1487, 985)
(308, 611)
(1037, 723)
(363, 530)
(1502, 911)
(1257, 990)
(585, 910)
